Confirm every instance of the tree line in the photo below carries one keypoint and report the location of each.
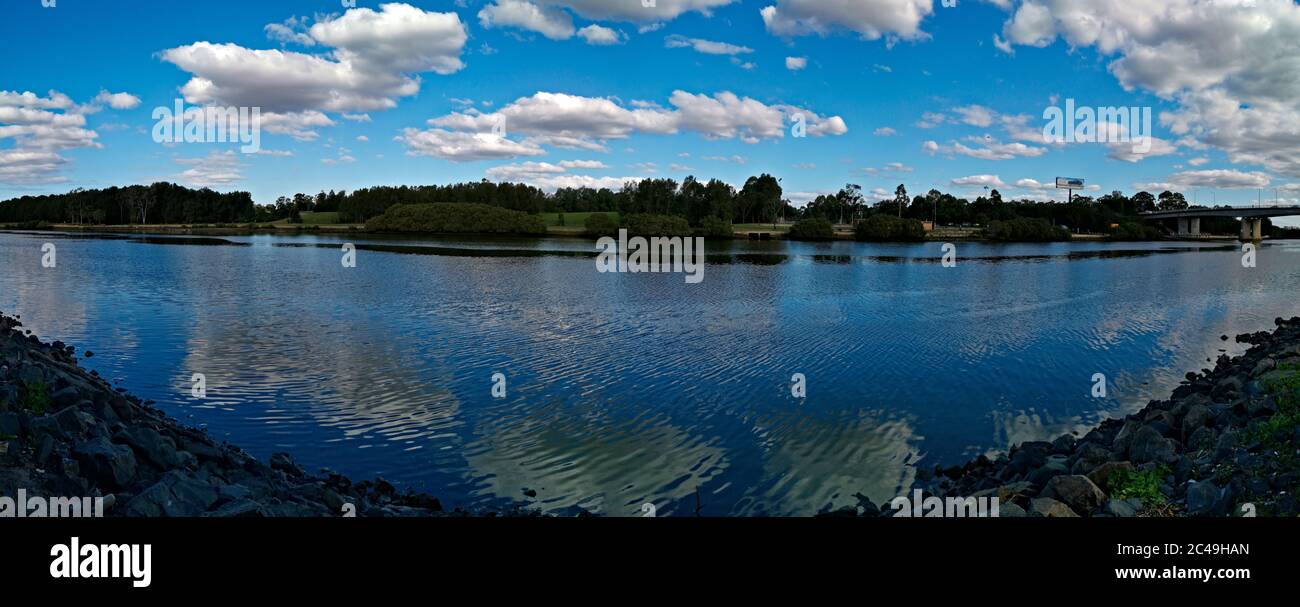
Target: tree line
(760, 200)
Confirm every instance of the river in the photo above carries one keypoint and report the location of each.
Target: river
(627, 389)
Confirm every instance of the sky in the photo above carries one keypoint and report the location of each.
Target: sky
(561, 93)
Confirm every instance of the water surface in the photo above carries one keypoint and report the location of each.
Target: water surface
(624, 389)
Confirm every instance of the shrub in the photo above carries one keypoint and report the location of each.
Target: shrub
(456, 218)
(36, 397)
(657, 225)
(885, 228)
(713, 227)
(600, 224)
(815, 228)
(1025, 229)
(1135, 231)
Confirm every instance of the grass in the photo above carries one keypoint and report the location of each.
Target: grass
(760, 227)
(574, 220)
(1142, 484)
(1286, 391)
(313, 218)
(36, 397)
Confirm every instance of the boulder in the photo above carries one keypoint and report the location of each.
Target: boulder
(102, 461)
(1050, 508)
(1101, 474)
(1075, 491)
(1205, 499)
(1150, 446)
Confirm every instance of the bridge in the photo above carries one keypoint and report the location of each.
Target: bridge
(1252, 218)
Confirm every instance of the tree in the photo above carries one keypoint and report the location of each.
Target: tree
(1171, 201)
(900, 199)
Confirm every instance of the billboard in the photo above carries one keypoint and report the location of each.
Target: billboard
(1069, 183)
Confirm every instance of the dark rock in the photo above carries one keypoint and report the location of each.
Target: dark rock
(151, 446)
(282, 462)
(1075, 491)
(1048, 507)
(1205, 499)
(104, 462)
(1150, 446)
(1123, 508)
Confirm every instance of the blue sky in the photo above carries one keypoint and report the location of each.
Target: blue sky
(893, 91)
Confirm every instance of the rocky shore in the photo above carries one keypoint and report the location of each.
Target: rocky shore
(67, 433)
(1227, 443)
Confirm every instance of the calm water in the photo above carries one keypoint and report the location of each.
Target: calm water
(632, 388)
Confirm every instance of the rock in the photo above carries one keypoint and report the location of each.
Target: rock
(1009, 510)
(1205, 499)
(73, 421)
(1123, 508)
(282, 462)
(1048, 507)
(1203, 439)
(1075, 491)
(1100, 475)
(9, 425)
(239, 509)
(150, 445)
(1125, 437)
(104, 462)
(1264, 366)
(1197, 417)
(1150, 446)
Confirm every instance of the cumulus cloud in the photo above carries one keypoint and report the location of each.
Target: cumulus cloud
(551, 22)
(215, 169)
(572, 121)
(597, 35)
(795, 64)
(635, 11)
(1229, 65)
(992, 181)
(871, 19)
(551, 177)
(42, 127)
(376, 58)
(464, 147)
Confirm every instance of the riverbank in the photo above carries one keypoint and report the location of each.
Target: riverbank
(66, 432)
(742, 232)
(1227, 443)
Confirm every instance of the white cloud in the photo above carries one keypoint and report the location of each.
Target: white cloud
(375, 59)
(215, 169)
(463, 147)
(635, 11)
(551, 177)
(290, 32)
(992, 181)
(871, 19)
(884, 131)
(976, 115)
(1229, 65)
(795, 64)
(571, 121)
(117, 101)
(597, 35)
(40, 128)
(708, 47)
(985, 149)
(551, 22)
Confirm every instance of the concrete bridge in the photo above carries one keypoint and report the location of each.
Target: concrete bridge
(1252, 218)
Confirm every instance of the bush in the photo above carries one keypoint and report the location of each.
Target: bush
(885, 228)
(600, 224)
(1135, 231)
(657, 225)
(1025, 229)
(456, 218)
(712, 227)
(816, 228)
